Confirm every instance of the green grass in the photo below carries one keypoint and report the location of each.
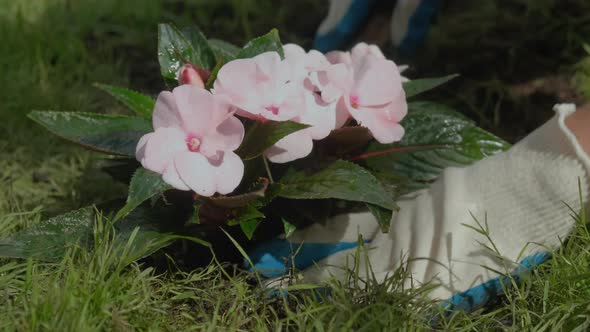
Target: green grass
(581, 77)
(51, 51)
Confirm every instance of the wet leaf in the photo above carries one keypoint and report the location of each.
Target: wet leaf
(111, 134)
(382, 215)
(139, 103)
(203, 54)
(230, 202)
(176, 47)
(271, 42)
(224, 50)
(436, 137)
(144, 185)
(262, 136)
(49, 240)
(341, 180)
(415, 87)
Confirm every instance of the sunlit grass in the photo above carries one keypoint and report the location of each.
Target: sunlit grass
(51, 51)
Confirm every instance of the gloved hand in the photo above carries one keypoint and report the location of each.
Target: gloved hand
(409, 23)
(520, 199)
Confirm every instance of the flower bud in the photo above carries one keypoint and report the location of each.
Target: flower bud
(188, 74)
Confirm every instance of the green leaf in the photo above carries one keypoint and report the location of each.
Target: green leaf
(49, 240)
(382, 215)
(256, 192)
(244, 214)
(204, 56)
(271, 42)
(195, 219)
(418, 86)
(175, 47)
(213, 75)
(342, 180)
(111, 134)
(224, 50)
(249, 227)
(141, 104)
(289, 228)
(262, 136)
(144, 185)
(436, 137)
(248, 218)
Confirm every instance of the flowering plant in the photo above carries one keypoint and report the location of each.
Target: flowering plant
(259, 135)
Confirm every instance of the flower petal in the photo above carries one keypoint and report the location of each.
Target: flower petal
(291, 147)
(378, 82)
(161, 148)
(295, 55)
(342, 113)
(361, 50)
(293, 51)
(171, 177)
(196, 172)
(291, 107)
(200, 111)
(235, 79)
(227, 137)
(271, 67)
(316, 60)
(387, 132)
(296, 58)
(166, 112)
(383, 122)
(263, 86)
(335, 81)
(140, 149)
(229, 173)
(321, 116)
(336, 57)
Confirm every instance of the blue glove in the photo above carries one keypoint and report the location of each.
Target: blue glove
(411, 20)
(275, 258)
(344, 19)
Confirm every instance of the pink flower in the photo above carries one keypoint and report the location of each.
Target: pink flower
(263, 87)
(188, 74)
(322, 120)
(193, 141)
(302, 63)
(320, 115)
(373, 93)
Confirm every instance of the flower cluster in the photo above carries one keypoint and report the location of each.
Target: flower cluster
(196, 131)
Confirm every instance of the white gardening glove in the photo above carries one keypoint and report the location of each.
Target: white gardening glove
(523, 195)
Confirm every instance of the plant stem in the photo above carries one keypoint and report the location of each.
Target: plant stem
(267, 169)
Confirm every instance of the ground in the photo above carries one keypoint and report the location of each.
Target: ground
(516, 58)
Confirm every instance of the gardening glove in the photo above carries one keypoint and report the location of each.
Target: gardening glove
(409, 23)
(466, 232)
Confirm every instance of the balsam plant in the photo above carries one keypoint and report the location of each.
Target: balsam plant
(252, 135)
